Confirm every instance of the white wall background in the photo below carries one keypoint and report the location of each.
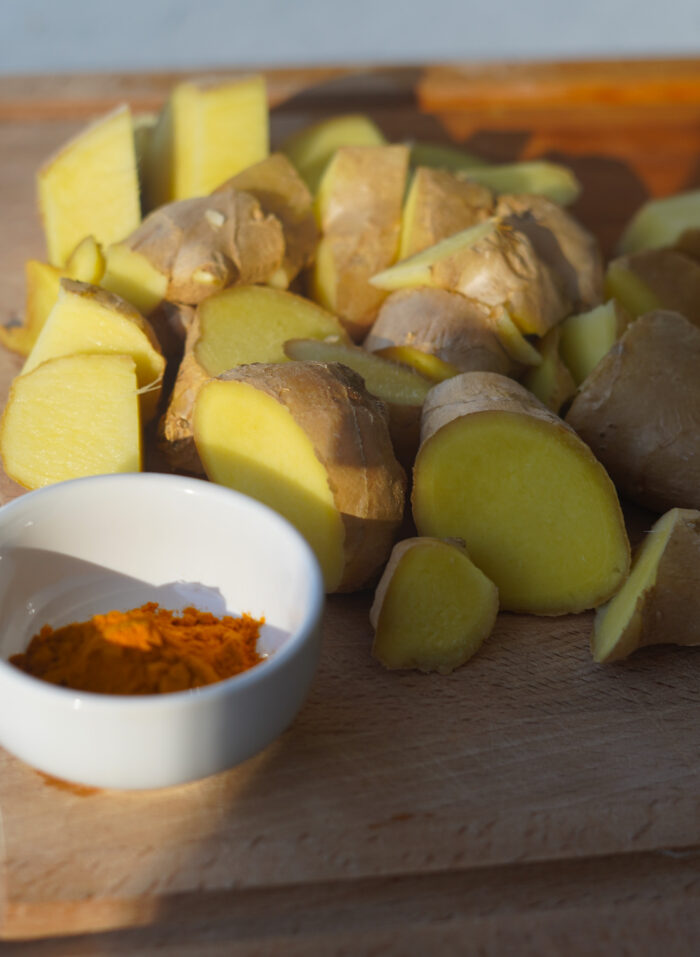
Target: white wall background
(104, 35)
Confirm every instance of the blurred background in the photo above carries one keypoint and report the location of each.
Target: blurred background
(42, 36)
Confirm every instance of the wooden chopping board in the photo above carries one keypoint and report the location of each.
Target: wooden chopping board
(531, 802)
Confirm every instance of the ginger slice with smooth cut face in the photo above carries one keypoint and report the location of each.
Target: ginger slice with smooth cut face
(537, 512)
(660, 601)
(433, 608)
(71, 417)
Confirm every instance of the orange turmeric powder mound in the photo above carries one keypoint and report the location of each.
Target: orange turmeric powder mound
(147, 650)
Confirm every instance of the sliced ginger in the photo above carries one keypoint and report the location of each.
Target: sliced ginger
(71, 417)
(661, 222)
(308, 440)
(86, 319)
(433, 608)
(535, 177)
(206, 133)
(189, 250)
(439, 204)
(90, 187)
(402, 388)
(660, 601)
(587, 336)
(358, 208)
(243, 324)
(537, 512)
(550, 381)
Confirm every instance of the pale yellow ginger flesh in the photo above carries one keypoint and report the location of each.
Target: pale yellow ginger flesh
(206, 133)
(587, 336)
(537, 177)
(90, 187)
(417, 270)
(432, 367)
(86, 319)
(656, 279)
(241, 325)
(660, 601)
(550, 381)
(252, 323)
(389, 381)
(131, 275)
(270, 458)
(307, 439)
(433, 608)
(358, 209)
(42, 284)
(71, 417)
(537, 512)
(311, 148)
(661, 222)
(87, 262)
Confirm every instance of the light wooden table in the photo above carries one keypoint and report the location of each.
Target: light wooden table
(530, 803)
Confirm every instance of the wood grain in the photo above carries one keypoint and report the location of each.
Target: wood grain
(532, 802)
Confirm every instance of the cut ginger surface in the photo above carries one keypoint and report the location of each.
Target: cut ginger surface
(537, 512)
(433, 607)
(71, 417)
(307, 439)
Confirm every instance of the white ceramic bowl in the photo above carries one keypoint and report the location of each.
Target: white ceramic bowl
(82, 547)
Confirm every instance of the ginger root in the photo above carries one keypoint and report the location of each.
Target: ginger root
(307, 439)
(537, 512)
(660, 601)
(186, 251)
(433, 608)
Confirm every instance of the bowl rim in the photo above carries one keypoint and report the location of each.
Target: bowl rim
(72, 698)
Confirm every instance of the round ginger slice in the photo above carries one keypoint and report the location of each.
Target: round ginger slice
(307, 439)
(537, 512)
(433, 608)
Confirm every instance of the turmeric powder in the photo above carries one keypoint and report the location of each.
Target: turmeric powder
(143, 651)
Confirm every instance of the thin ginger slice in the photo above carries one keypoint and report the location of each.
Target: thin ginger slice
(206, 133)
(308, 440)
(536, 177)
(537, 512)
(587, 336)
(90, 187)
(71, 417)
(433, 608)
(402, 388)
(661, 222)
(660, 601)
(439, 204)
(86, 319)
(551, 381)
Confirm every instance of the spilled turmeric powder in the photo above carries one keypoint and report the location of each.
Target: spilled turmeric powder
(147, 650)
